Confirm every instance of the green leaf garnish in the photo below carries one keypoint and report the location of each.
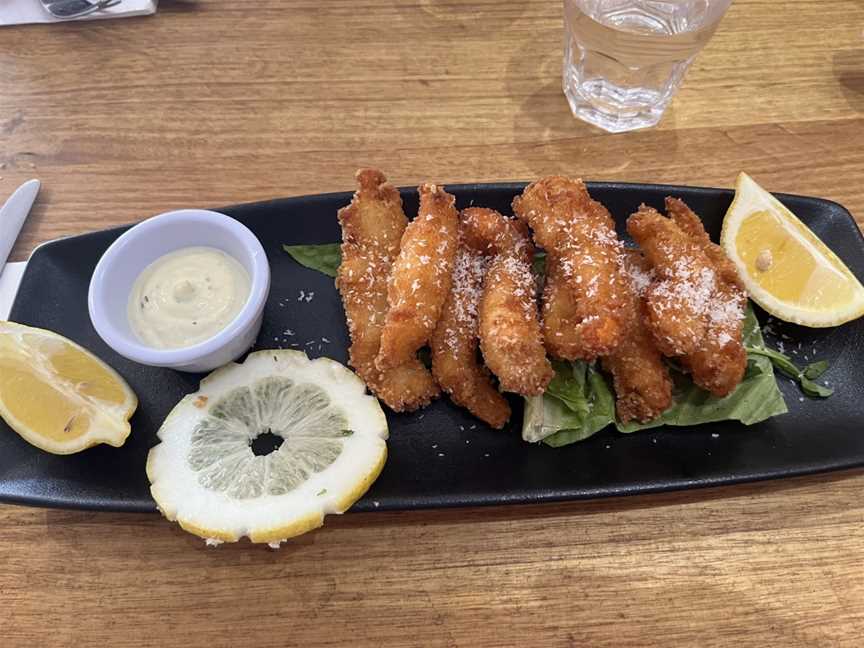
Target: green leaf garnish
(814, 389)
(805, 377)
(325, 257)
(579, 402)
(815, 369)
(781, 361)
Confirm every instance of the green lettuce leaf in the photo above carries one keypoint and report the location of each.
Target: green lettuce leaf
(324, 257)
(577, 404)
(751, 335)
(579, 401)
(757, 397)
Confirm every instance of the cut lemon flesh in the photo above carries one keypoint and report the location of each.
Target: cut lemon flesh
(59, 396)
(208, 475)
(786, 268)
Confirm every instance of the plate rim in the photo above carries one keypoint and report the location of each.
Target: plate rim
(837, 209)
(833, 211)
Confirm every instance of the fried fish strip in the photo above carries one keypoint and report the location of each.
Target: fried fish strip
(562, 333)
(454, 344)
(420, 278)
(691, 224)
(718, 363)
(643, 388)
(685, 281)
(509, 327)
(585, 293)
(696, 306)
(372, 226)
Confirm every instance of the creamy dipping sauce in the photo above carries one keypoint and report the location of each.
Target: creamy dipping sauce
(187, 296)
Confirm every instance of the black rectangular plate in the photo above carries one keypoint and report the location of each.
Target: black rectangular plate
(442, 456)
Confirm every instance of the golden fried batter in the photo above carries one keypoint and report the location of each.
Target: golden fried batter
(584, 295)
(691, 224)
(420, 278)
(695, 306)
(562, 333)
(718, 363)
(455, 363)
(509, 327)
(372, 226)
(685, 281)
(643, 388)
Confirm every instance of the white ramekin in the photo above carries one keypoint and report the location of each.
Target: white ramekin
(137, 248)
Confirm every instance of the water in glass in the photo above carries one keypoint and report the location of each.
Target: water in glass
(624, 59)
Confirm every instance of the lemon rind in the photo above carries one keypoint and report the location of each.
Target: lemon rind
(171, 504)
(813, 318)
(119, 414)
(347, 501)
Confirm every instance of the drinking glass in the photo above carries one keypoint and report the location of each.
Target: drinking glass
(624, 59)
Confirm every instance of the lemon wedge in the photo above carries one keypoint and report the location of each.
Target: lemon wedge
(325, 445)
(786, 268)
(59, 396)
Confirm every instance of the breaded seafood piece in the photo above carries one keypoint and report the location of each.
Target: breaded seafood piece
(582, 304)
(695, 306)
(454, 344)
(509, 326)
(643, 387)
(420, 278)
(372, 227)
(684, 283)
(560, 314)
(719, 362)
(687, 220)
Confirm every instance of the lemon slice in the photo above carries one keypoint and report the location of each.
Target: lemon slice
(327, 446)
(59, 396)
(788, 271)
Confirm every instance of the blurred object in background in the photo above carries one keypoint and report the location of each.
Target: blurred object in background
(624, 59)
(17, 12)
(77, 8)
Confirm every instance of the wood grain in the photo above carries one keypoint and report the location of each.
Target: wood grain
(218, 102)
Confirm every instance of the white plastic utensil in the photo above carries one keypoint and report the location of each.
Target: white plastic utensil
(10, 279)
(13, 214)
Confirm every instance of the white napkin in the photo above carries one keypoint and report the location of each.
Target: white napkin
(10, 278)
(17, 12)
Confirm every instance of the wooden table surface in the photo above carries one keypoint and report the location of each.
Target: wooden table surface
(218, 102)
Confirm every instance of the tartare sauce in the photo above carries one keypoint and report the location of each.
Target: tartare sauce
(186, 297)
